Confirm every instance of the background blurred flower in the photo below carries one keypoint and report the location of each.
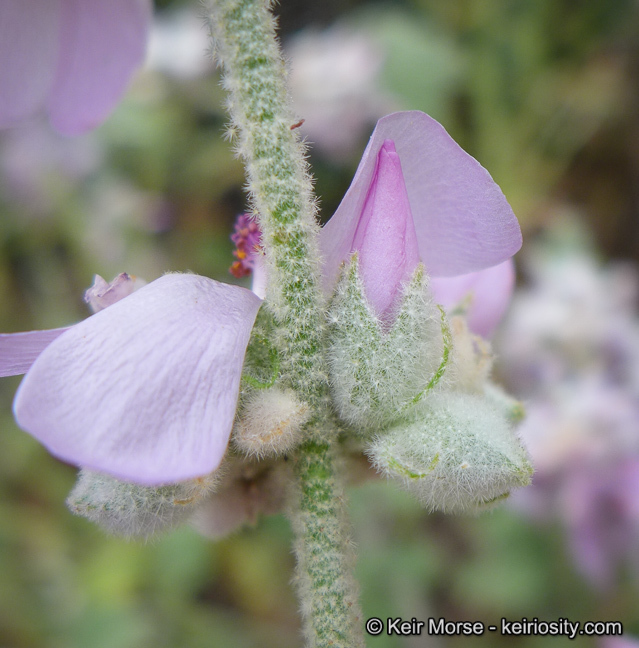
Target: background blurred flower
(570, 349)
(178, 44)
(72, 58)
(335, 86)
(34, 160)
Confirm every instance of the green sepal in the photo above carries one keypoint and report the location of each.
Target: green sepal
(378, 371)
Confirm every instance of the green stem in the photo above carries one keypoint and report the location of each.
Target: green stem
(327, 587)
(279, 183)
(281, 191)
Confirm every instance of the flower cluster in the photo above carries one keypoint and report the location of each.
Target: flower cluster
(143, 395)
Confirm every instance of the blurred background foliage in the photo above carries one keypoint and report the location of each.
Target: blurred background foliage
(545, 93)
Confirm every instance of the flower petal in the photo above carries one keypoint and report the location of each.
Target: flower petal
(29, 40)
(488, 291)
(18, 351)
(146, 389)
(462, 219)
(102, 43)
(385, 235)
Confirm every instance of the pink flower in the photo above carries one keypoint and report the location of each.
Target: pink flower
(248, 242)
(570, 350)
(146, 389)
(417, 196)
(73, 58)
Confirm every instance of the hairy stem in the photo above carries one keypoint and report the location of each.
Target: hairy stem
(279, 183)
(325, 559)
(281, 191)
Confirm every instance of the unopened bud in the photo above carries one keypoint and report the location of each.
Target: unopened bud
(270, 422)
(459, 454)
(134, 511)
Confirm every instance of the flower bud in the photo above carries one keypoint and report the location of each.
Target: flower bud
(459, 454)
(134, 511)
(270, 422)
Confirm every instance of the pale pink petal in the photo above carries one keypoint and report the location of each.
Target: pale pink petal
(146, 389)
(484, 294)
(18, 351)
(102, 43)
(29, 39)
(385, 236)
(462, 219)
